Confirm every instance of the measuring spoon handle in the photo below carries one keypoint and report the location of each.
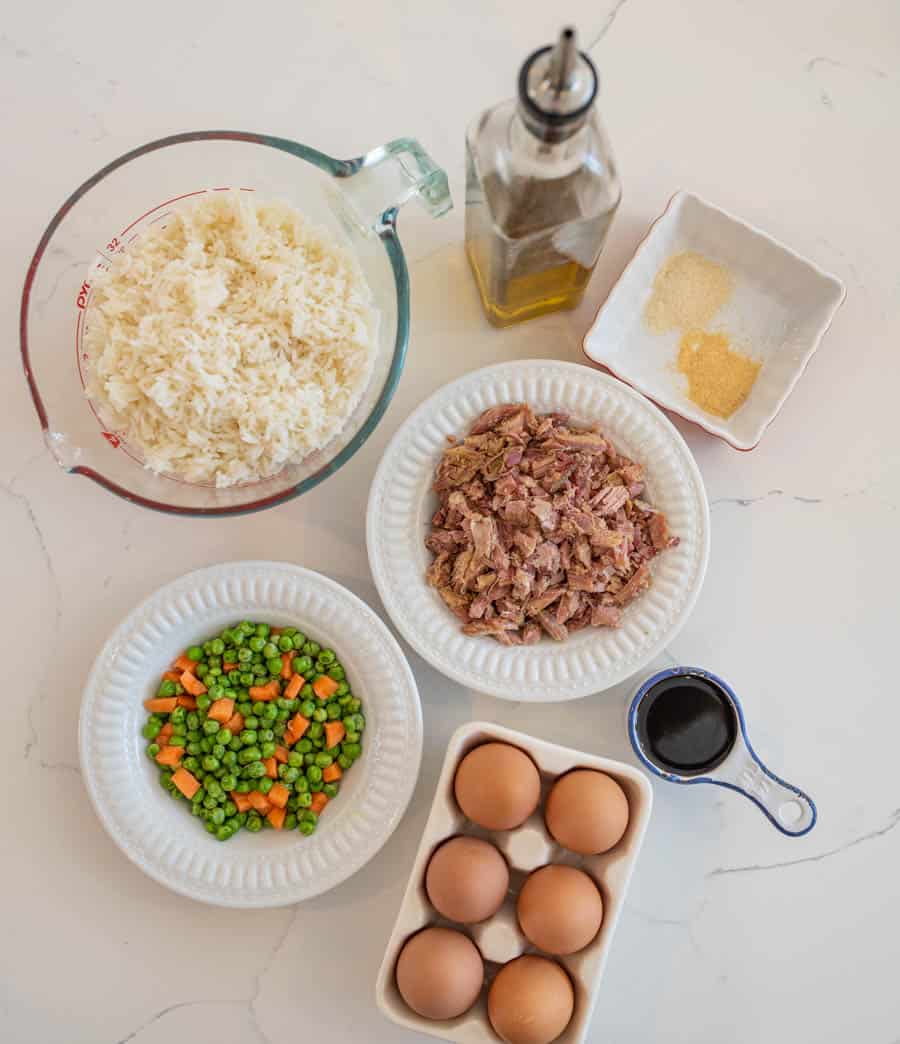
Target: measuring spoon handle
(788, 808)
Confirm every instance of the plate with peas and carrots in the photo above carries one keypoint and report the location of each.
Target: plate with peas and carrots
(258, 704)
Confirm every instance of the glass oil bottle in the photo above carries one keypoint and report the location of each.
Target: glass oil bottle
(541, 188)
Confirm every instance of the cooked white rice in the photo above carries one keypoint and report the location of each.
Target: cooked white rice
(230, 341)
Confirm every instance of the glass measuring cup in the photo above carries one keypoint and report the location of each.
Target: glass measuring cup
(733, 763)
(357, 200)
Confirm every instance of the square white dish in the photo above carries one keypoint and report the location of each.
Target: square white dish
(525, 849)
(781, 307)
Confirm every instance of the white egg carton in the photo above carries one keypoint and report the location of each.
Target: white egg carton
(525, 848)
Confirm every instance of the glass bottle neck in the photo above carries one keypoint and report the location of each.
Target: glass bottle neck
(543, 158)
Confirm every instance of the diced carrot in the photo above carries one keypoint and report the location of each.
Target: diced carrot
(298, 725)
(259, 801)
(275, 631)
(334, 733)
(183, 663)
(172, 676)
(276, 817)
(191, 684)
(286, 671)
(293, 686)
(271, 768)
(221, 710)
(241, 801)
(226, 667)
(235, 723)
(164, 733)
(324, 687)
(333, 773)
(188, 702)
(281, 755)
(264, 693)
(186, 783)
(170, 756)
(319, 801)
(161, 704)
(279, 795)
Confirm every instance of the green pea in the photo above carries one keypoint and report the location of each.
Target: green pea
(256, 644)
(312, 648)
(244, 655)
(209, 802)
(344, 761)
(320, 714)
(235, 743)
(352, 750)
(307, 692)
(324, 760)
(318, 743)
(354, 705)
(241, 818)
(152, 750)
(270, 712)
(190, 763)
(314, 774)
(262, 630)
(264, 785)
(299, 639)
(248, 737)
(302, 664)
(243, 787)
(337, 672)
(351, 736)
(247, 627)
(285, 644)
(193, 720)
(245, 709)
(274, 667)
(201, 670)
(327, 656)
(292, 805)
(195, 653)
(228, 782)
(177, 740)
(229, 758)
(343, 689)
(304, 798)
(333, 710)
(150, 731)
(217, 646)
(254, 823)
(211, 727)
(290, 821)
(230, 809)
(268, 750)
(224, 736)
(309, 759)
(259, 672)
(217, 815)
(303, 747)
(178, 715)
(194, 748)
(295, 759)
(249, 754)
(256, 770)
(203, 702)
(315, 730)
(223, 833)
(330, 790)
(218, 751)
(251, 721)
(247, 678)
(210, 763)
(270, 650)
(290, 775)
(306, 828)
(307, 708)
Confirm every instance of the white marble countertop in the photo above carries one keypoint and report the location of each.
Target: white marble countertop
(784, 113)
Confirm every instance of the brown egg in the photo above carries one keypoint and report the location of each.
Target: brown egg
(467, 880)
(560, 909)
(497, 786)
(586, 812)
(530, 1001)
(440, 973)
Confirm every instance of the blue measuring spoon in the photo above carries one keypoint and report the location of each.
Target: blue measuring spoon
(704, 740)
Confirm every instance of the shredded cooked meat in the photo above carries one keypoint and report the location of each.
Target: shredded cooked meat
(540, 528)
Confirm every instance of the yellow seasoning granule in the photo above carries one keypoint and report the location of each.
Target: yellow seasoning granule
(687, 292)
(719, 378)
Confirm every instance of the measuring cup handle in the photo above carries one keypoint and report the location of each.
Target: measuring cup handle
(389, 176)
(790, 810)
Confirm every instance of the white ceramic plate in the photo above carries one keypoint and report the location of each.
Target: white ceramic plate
(781, 307)
(526, 848)
(270, 868)
(401, 504)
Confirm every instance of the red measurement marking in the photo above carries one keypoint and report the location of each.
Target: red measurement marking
(112, 439)
(174, 199)
(81, 300)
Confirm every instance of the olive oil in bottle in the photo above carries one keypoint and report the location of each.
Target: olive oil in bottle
(541, 188)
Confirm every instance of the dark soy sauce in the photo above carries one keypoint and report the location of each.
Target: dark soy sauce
(686, 724)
